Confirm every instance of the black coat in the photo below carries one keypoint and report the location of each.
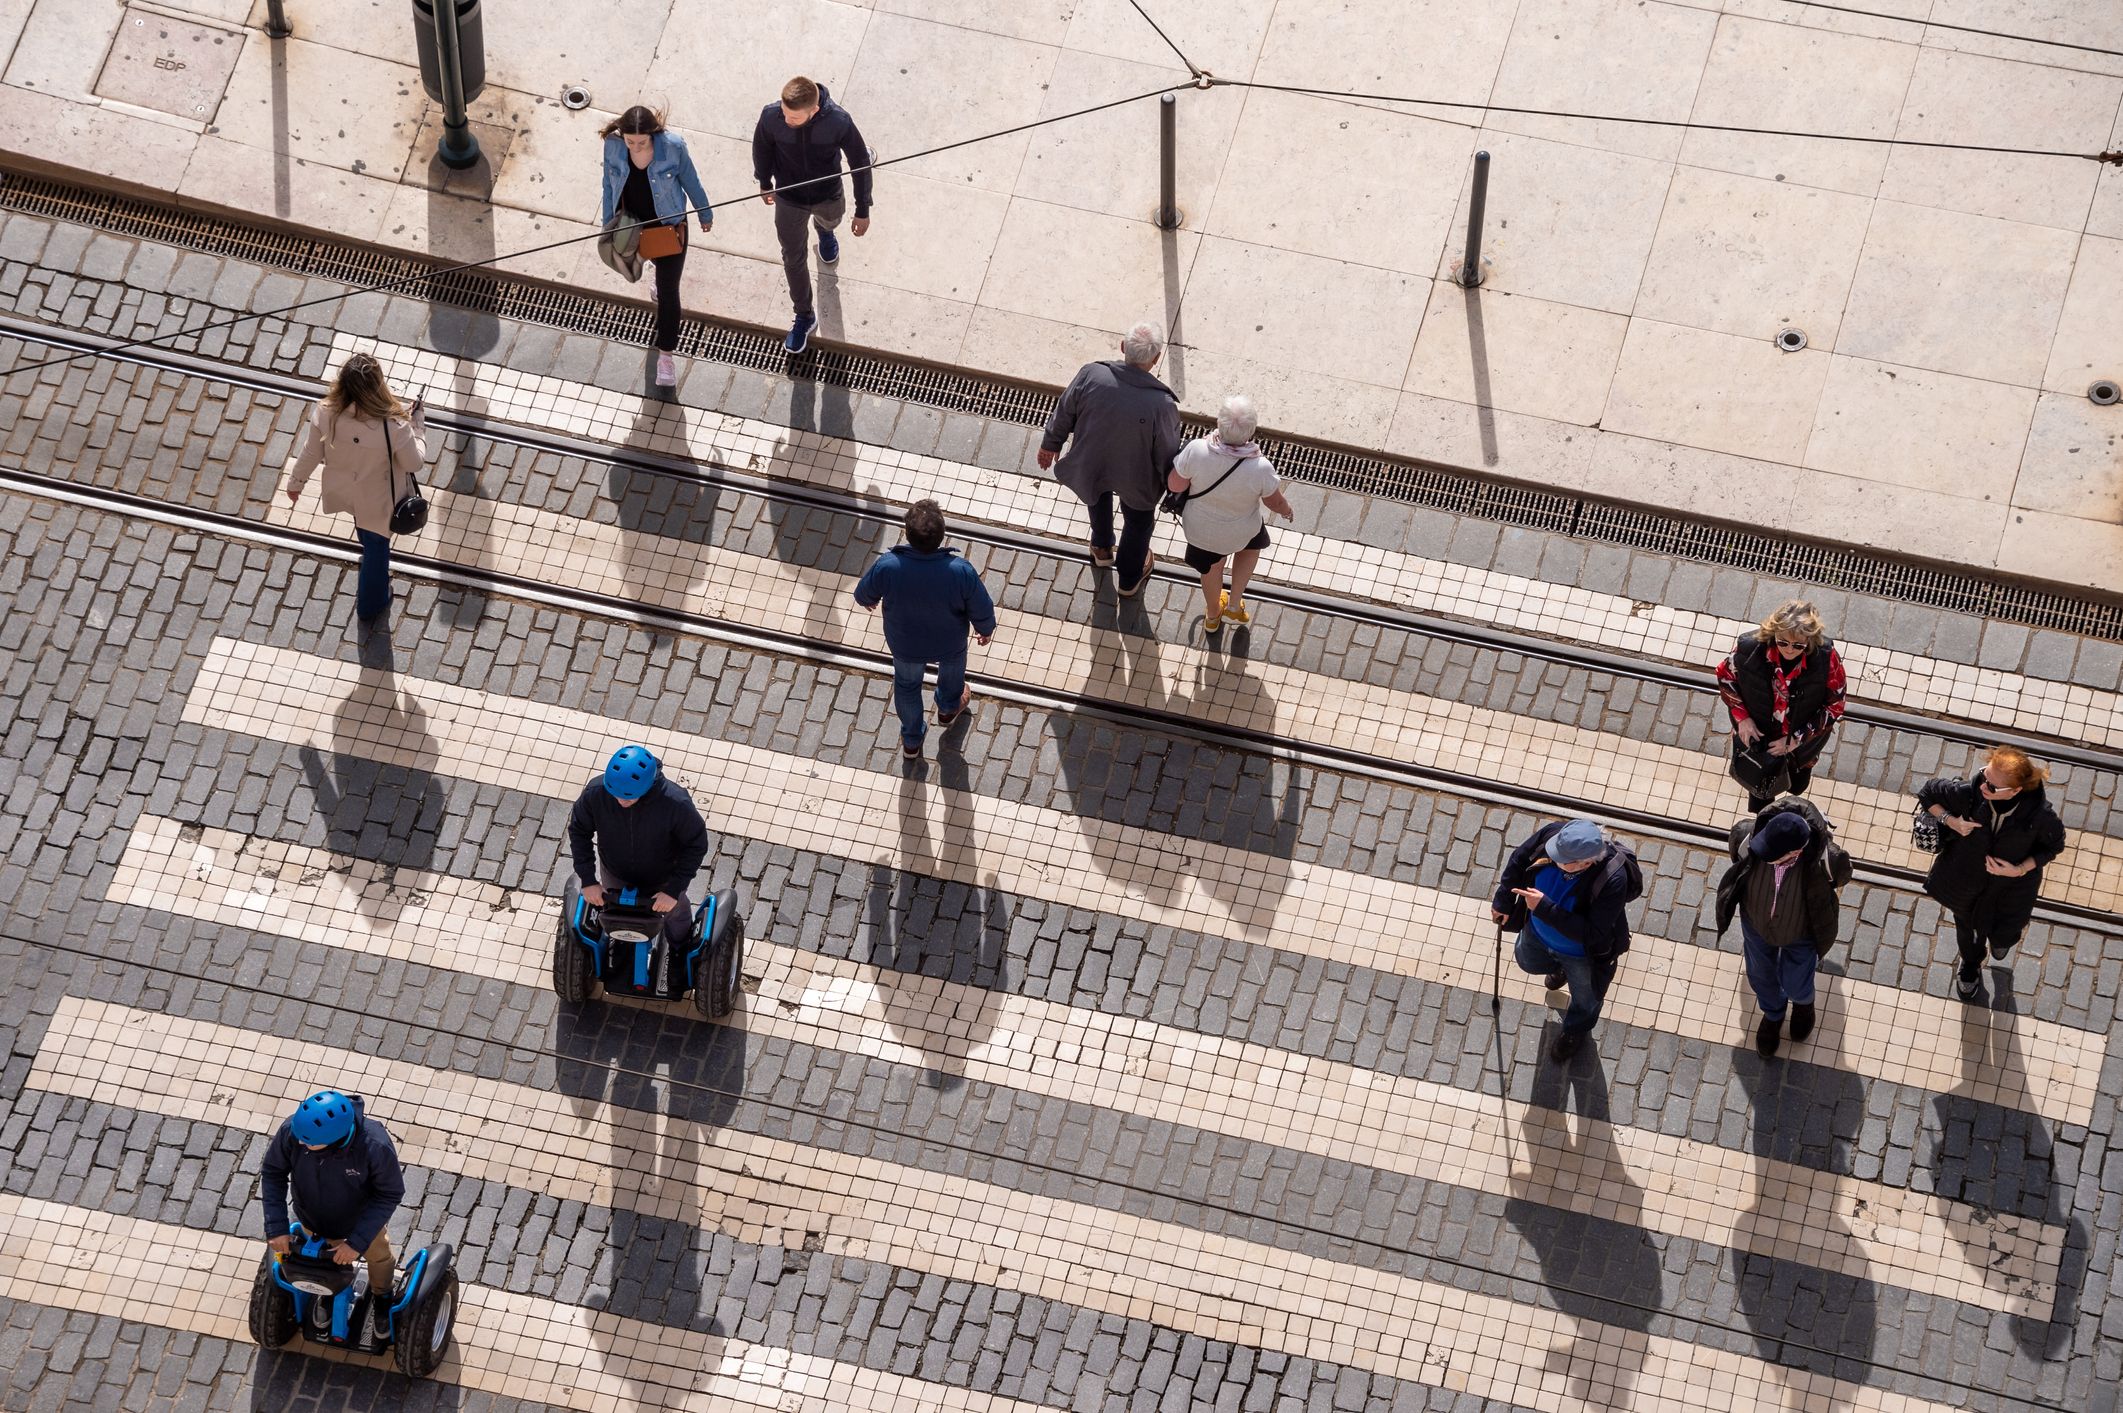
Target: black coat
(802, 165)
(1809, 694)
(1601, 923)
(657, 843)
(346, 1192)
(1998, 907)
(1823, 868)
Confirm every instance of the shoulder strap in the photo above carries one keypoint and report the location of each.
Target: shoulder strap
(390, 459)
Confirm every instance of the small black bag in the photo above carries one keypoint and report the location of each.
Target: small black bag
(1174, 502)
(1924, 831)
(409, 512)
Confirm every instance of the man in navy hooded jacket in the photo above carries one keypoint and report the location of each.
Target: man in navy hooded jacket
(342, 1170)
(796, 150)
(931, 598)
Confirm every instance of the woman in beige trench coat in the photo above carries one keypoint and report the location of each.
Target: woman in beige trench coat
(371, 447)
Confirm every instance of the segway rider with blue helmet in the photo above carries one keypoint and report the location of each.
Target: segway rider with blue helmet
(634, 828)
(343, 1171)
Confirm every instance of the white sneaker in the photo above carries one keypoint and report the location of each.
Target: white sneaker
(666, 370)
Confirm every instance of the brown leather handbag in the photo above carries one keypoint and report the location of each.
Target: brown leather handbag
(660, 240)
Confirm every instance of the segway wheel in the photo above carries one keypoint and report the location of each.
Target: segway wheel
(572, 973)
(273, 1321)
(715, 994)
(424, 1338)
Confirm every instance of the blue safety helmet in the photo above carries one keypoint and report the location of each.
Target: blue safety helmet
(630, 772)
(325, 1118)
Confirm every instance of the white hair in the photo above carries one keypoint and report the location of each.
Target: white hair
(1236, 421)
(1142, 344)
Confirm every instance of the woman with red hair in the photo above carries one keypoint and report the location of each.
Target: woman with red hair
(1996, 832)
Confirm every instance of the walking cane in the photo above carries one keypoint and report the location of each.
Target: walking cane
(1496, 981)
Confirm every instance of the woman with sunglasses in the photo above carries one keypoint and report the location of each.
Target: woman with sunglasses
(1783, 684)
(1996, 832)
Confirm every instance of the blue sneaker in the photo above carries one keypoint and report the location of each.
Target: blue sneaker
(828, 248)
(800, 333)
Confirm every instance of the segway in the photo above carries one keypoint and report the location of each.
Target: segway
(621, 948)
(306, 1292)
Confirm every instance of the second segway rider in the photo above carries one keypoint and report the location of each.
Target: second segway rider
(343, 1172)
(632, 827)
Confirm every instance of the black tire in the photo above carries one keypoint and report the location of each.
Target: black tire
(722, 971)
(430, 1327)
(574, 980)
(273, 1321)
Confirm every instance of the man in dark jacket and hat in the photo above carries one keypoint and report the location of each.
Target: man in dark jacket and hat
(1566, 891)
(932, 598)
(1786, 868)
(796, 150)
(1125, 428)
(1998, 832)
(342, 1170)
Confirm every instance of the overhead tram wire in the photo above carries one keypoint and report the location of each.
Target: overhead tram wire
(441, 271)
(1192, 67)
(1152, 1195)
(2110, 158)
(1961, 29)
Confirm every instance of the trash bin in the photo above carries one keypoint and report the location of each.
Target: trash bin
(471, 47)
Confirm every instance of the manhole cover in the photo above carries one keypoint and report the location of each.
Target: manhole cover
(171, 66)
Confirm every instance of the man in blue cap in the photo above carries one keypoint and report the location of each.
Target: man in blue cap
(1565, 892)
(1786, 868)
(343, 1172)
(633, 827)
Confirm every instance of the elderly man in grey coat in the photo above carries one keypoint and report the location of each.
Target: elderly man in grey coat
(1122, 426)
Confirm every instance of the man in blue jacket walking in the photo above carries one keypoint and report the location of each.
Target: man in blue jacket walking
(931, 598)
(343, 1171)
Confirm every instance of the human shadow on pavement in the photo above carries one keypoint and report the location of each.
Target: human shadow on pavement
(463, 325)
(382, 813)
(1806, 1111)
(936, 929)
(649, 1084)
(1600, 1268)
(1999, 1159)
(666, 521)
(1118, 780)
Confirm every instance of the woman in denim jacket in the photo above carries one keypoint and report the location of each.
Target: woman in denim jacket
(649, 179)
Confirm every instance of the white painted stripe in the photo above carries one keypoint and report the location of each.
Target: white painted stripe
(1060, 654)
(512, 1346)
(1878, 673)
(764, 1190)
(1078, 861)
(1252, 1092)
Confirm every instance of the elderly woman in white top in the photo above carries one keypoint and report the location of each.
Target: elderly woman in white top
(1229, 487)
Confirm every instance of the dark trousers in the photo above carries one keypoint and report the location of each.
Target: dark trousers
(793, 223)
(668, 269)
(1974, 942)
(372, 590)
(1136, 527)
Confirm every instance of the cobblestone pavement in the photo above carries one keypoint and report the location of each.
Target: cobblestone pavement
(820, 1255)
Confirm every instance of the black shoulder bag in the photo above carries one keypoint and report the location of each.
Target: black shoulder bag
(409, 513)
(1176, 501)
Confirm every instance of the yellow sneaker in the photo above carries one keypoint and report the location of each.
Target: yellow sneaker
(1234, 610)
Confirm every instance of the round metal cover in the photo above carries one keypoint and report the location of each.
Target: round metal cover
(574, 97)
(1791, 340)
(2105, 392)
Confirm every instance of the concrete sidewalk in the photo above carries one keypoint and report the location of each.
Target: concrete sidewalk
(1956, 306)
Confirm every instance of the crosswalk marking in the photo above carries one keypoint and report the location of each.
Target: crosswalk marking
(1073, 657)
(1890, 676)
(1906, 1037)
(1864, 1230)
(512, 1346)
(768, 1191)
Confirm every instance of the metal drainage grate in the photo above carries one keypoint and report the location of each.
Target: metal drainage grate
(1316, 463)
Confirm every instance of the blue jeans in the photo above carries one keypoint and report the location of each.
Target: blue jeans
(1779, 975)
(372, 591)
(1588, 979)
(906, 692)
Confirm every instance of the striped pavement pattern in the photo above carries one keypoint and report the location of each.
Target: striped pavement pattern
(1215, 1286)
(1889, 676)
(1256, 1093)
(1932, 1043)
(513, 1346)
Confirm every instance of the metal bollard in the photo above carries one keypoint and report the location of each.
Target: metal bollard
(1168, 162)
(276, 26)
(1470, 274)
(458, 148)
